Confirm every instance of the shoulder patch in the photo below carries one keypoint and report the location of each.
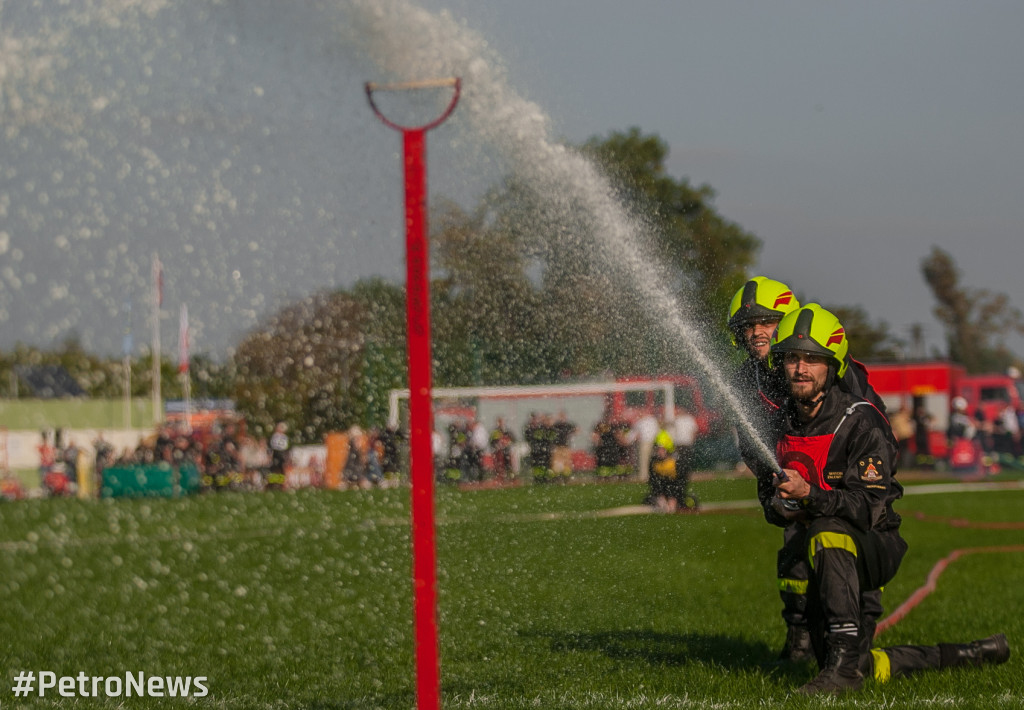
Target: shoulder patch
(870, 469)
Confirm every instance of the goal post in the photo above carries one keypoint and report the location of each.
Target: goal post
(584, 404)
(552, 392)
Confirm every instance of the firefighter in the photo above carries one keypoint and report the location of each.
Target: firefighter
(539, 436)
(754, 314)
(562, 431)
(606, 448)
(663, 472)
(838, 457)
(279, 445)
(500, 441)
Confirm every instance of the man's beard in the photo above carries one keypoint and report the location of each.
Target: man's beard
(806, 391)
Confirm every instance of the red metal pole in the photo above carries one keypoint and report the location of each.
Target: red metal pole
(428, 671)
(424, 553)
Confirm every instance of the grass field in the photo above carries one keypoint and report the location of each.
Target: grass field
(303, 600)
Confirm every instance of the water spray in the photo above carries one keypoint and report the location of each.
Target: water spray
(403, 38)
(421, 424)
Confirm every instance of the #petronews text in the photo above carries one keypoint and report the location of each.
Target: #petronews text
(139, 685)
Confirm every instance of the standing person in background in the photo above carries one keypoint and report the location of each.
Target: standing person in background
(644, 430)
(922, 432)
(47, 457)
(478, 441)
(70, 455)
(538, 436)
(355, 466)
(963, 452)
(562, 431)
(439, 449)
(390, 460)
(606, 449)
(374, 451)
(684, 434)
(1006, 434)
(278, 456)
(983, 435)
(501, 440)
(458, 441)
(903, 429)
(625, 442)
(960, 424)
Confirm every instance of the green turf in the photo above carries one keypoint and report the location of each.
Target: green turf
(304, 600)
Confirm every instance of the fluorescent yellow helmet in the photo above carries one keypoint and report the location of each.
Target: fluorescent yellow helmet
(814, 330)
(761, 298)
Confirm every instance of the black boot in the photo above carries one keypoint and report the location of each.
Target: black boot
(994, 649)
(798, 646)
(841, 672)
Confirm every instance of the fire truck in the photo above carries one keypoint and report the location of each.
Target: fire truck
(928, 388)
(993, 393)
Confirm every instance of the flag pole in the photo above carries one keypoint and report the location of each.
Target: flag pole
(183, 366)
(126, 365)
(158, 297)
(126, 351)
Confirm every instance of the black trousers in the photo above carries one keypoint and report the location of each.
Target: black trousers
(794, 572)
(847, 568)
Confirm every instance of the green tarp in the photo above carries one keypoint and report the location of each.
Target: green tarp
(155, 480)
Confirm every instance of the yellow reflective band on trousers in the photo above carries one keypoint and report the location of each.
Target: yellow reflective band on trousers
(883, 671)
(794, 586)
(831, 541)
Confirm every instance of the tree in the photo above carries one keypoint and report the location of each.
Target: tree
(383, 356)
(868, 341)
(488, 324)
(975, 320)
(211, 379)
(300, 366)
(324, 363)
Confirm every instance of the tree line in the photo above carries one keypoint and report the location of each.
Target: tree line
(517, 298)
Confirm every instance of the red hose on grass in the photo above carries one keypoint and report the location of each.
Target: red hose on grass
(933, 577)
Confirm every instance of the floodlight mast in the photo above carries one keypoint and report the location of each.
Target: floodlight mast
(421, 425)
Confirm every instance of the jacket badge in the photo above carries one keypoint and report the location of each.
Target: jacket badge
(868, 470)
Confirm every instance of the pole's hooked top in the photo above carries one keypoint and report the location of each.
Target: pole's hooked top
(454, 82)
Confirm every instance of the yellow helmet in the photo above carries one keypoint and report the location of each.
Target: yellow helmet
(814, 330)
(760, 298)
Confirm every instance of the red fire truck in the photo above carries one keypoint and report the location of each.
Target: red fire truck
(930, 386)
(992, 393)
(925, 387)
